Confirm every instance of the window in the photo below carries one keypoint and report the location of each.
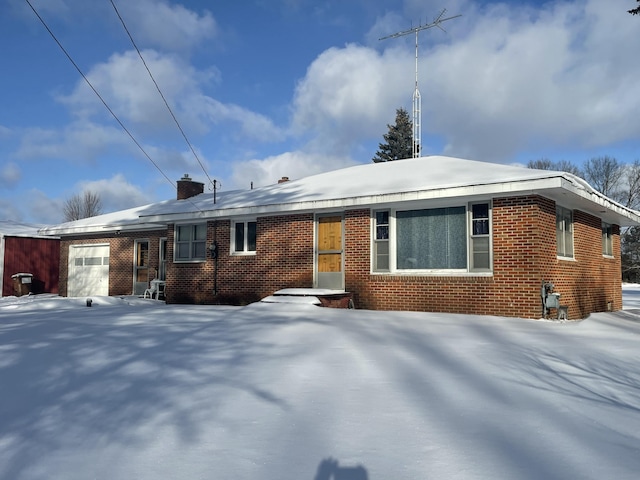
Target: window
(564, 232)
(244, 235)
(480, 245)
(190, 243)
(449, 238)
(431, 239)
(381, 241)
(607, 242)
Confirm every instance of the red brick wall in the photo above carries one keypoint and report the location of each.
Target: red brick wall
(283, 259)
(524, 255)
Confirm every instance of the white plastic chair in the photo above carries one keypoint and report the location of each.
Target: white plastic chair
(156, 288)
(153, 288)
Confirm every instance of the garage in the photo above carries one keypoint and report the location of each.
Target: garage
(88, 270)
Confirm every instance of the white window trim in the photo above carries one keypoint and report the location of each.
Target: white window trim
(470, 236)
(232, 242)
(191, 259)
(394, 270)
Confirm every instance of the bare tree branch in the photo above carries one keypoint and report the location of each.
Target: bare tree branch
(82, 206)
(605, 175)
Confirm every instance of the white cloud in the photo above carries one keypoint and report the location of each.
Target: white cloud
(504, 78)
(170, 27)
(347, 91)
(5, 132)
(10, 174)
(9, 211)
(127, 88)
(291, 164)
(251, 124)
(123, 82)
(560, 75)
(42, 208)
(78, 142)
(116, 193)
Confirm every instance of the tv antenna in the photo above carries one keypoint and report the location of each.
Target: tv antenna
(417, 101)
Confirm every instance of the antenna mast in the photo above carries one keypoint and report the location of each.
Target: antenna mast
(417, 101)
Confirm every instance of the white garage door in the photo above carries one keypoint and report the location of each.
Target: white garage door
(88, 270)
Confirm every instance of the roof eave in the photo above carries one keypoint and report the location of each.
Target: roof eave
(103, 229)
(521, 187)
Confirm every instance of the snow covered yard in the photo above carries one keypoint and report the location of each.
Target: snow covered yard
(136, 389)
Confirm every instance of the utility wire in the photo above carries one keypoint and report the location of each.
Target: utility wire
(103, 100)
(184, 135)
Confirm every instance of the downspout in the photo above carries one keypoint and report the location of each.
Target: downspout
(215, 255)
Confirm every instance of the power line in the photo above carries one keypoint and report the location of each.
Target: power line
(211, 182)
(113, 114)
(97, 93)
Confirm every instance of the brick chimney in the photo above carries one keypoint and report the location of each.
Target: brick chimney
(283, 179)
(187, 188)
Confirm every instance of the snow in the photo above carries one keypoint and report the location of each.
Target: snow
(132, 388)
(19, 229)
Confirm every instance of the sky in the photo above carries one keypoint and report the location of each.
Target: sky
(263, 89)
(133, 388)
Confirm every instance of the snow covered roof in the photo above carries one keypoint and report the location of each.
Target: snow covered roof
(9, 228)
(425, 178)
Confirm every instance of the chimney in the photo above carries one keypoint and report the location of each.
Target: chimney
(187, 188)
(283, 179)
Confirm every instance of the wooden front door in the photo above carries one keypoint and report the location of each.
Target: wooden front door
(329, 248)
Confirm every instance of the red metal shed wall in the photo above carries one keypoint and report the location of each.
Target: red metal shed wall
(38, 256)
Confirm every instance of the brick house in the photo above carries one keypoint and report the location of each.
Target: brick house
(434, 234)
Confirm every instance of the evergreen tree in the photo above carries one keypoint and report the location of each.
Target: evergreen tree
(399, 140)
(635, 11)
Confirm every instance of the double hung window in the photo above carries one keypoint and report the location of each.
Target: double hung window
(381, 241)
(456, 239)
(244, 236)
(480, 239)
(564, 232)
(190, 242)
